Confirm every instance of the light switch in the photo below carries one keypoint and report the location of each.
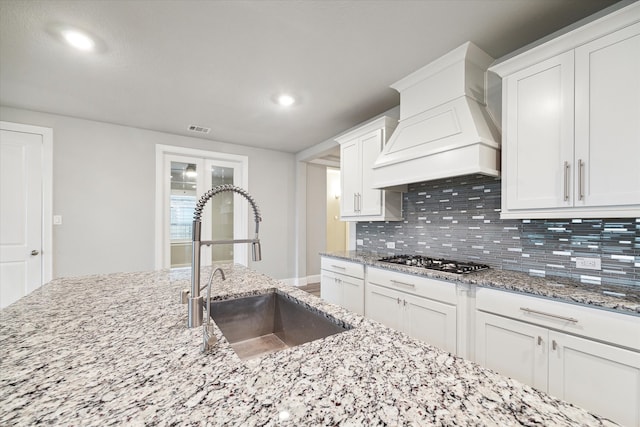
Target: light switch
(57, 220)
(391, 245)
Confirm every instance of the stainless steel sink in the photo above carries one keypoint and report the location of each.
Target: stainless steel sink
(262, 324)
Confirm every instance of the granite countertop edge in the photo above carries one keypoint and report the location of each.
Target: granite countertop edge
(621, 299)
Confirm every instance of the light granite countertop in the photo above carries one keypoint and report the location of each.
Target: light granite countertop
(622, 299)
(115, 350)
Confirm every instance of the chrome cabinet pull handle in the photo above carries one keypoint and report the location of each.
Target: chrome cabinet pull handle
(580, 179)
(566, 181)
(338, 266)
(34, 252)
(555, 316)
(355, 206)
(554, 345)
(539, 340)
(398, 300)
(409, 285)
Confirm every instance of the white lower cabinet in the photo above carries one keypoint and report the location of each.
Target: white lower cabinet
(384, 306)
(602, 378)
(512, 348)
(400, 301)
(342, 283)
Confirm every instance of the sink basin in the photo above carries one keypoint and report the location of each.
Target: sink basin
(262, 324)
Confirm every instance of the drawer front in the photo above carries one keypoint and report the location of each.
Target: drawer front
(615, 328)
(437, 290)
(353, 269)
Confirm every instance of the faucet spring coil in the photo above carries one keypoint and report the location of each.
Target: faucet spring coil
(197, 214)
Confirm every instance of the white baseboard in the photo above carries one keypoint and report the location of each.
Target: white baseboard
(302, 281)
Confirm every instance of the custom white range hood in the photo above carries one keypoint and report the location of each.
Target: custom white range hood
(444, 129)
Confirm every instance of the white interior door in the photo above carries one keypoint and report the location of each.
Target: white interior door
(21, 214)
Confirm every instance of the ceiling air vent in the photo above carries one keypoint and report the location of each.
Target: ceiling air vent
(199, 129)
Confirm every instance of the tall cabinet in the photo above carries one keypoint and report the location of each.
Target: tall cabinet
(358, 151)
(571, 108)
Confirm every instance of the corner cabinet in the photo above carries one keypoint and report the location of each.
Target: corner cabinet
(358, 151)
(587, 357)
(571, 107)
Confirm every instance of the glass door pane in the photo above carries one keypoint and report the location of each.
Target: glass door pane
(183, 198)
(222, 214)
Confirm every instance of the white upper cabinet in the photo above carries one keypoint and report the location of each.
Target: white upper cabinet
(539, 132)
(571, 109)
(358, 151)
(607, 114)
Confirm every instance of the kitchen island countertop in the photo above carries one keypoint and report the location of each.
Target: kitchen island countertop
(114, 350)
(622, 299)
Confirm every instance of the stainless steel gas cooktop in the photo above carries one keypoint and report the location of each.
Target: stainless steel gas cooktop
(435, 263)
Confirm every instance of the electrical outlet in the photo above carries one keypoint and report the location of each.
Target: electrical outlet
(57, 220)
(359, 242)
(391, 245)
(588, 263)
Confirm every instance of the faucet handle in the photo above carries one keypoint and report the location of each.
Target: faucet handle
(184, 296)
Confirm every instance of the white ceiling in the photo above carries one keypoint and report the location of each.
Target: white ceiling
(164, 65)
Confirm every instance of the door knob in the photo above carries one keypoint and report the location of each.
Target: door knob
(34, 252)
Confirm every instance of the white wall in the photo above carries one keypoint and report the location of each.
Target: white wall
(104, 188)
(316, 216)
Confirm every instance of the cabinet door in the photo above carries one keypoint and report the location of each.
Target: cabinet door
(370, 202)
(538, 125)
(607, 115)
(383, 305)
(430, 321)
(515, 349)
(351, 179)
(353, 294)
(330, 289)
(602, 378)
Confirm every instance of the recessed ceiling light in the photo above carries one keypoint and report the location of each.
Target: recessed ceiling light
(286, 100)
(79, 40)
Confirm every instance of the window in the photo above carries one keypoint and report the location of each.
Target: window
(182, 208)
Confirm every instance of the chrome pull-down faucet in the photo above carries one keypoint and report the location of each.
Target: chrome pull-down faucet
(194, 307)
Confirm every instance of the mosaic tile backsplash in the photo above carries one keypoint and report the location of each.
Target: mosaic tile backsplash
(459, 218)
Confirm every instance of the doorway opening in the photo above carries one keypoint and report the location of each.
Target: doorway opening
(336, 229)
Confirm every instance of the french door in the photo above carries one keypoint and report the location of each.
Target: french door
(185, 175)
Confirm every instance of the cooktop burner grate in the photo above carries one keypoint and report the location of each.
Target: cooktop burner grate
(435, 263)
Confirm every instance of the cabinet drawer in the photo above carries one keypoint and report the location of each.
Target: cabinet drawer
(353, 269)
(437, 290)
(615, 328)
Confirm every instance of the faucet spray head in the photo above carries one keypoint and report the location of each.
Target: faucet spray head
(256, 251)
